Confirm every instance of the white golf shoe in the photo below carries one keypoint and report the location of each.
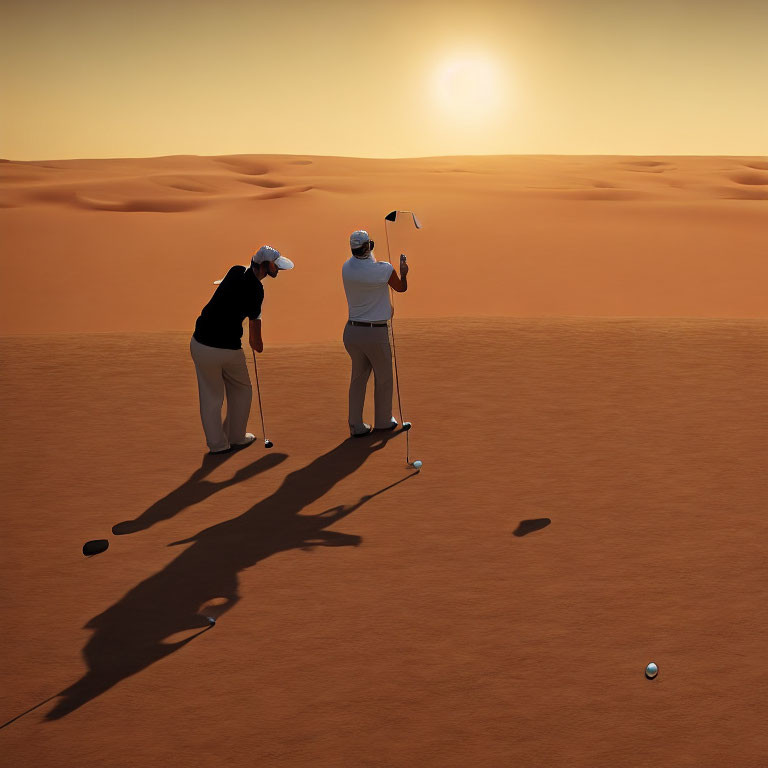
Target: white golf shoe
(393, 424)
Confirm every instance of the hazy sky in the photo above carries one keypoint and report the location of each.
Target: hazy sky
(382, 78)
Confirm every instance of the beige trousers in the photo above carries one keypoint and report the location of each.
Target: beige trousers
(370, 351)
(222, 372)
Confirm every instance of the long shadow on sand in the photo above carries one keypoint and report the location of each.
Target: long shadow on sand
(137, 631)
(196, 489)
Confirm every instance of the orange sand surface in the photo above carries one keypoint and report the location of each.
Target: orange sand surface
(369, 615)
(135, 244)
(593, 494)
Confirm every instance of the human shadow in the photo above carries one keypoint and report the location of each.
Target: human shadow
(139, 629)
(196, 489)
(529, 526)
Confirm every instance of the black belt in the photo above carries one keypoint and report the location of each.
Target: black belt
(368, 325)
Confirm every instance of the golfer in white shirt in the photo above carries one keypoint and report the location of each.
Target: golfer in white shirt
(366, 338)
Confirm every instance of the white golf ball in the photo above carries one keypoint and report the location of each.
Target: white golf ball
(417, 465)
(651, 671)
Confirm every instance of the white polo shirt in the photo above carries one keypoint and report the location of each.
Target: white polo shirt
(365, 283)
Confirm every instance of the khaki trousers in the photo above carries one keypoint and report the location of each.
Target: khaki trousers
(222, 372)
(370, 351)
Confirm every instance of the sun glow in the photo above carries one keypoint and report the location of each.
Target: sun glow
(468, 87)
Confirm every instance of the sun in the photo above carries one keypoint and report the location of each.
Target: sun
(467, 87)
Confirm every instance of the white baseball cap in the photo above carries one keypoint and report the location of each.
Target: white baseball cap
(358, 238)
(268, 253)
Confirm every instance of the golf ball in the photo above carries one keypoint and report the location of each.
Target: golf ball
(417, 465)
(651, 671)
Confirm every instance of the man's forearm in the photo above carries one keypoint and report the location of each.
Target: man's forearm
(254, 332)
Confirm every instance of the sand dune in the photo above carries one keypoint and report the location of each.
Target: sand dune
(137, 243)
(740, 193)
(751, 178)
(650, 166)
(135, 204)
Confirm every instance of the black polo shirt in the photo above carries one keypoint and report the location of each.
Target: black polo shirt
(239, 295)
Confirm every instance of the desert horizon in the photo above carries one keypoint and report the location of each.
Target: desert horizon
(562, 236)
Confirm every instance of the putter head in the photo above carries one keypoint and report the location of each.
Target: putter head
(406, 426)
(268, 444)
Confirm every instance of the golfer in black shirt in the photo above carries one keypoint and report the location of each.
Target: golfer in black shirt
(217, 351)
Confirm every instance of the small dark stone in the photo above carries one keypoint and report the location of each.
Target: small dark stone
(94, 547)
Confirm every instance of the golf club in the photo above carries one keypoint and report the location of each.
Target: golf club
(267, 443)
(406, 425)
